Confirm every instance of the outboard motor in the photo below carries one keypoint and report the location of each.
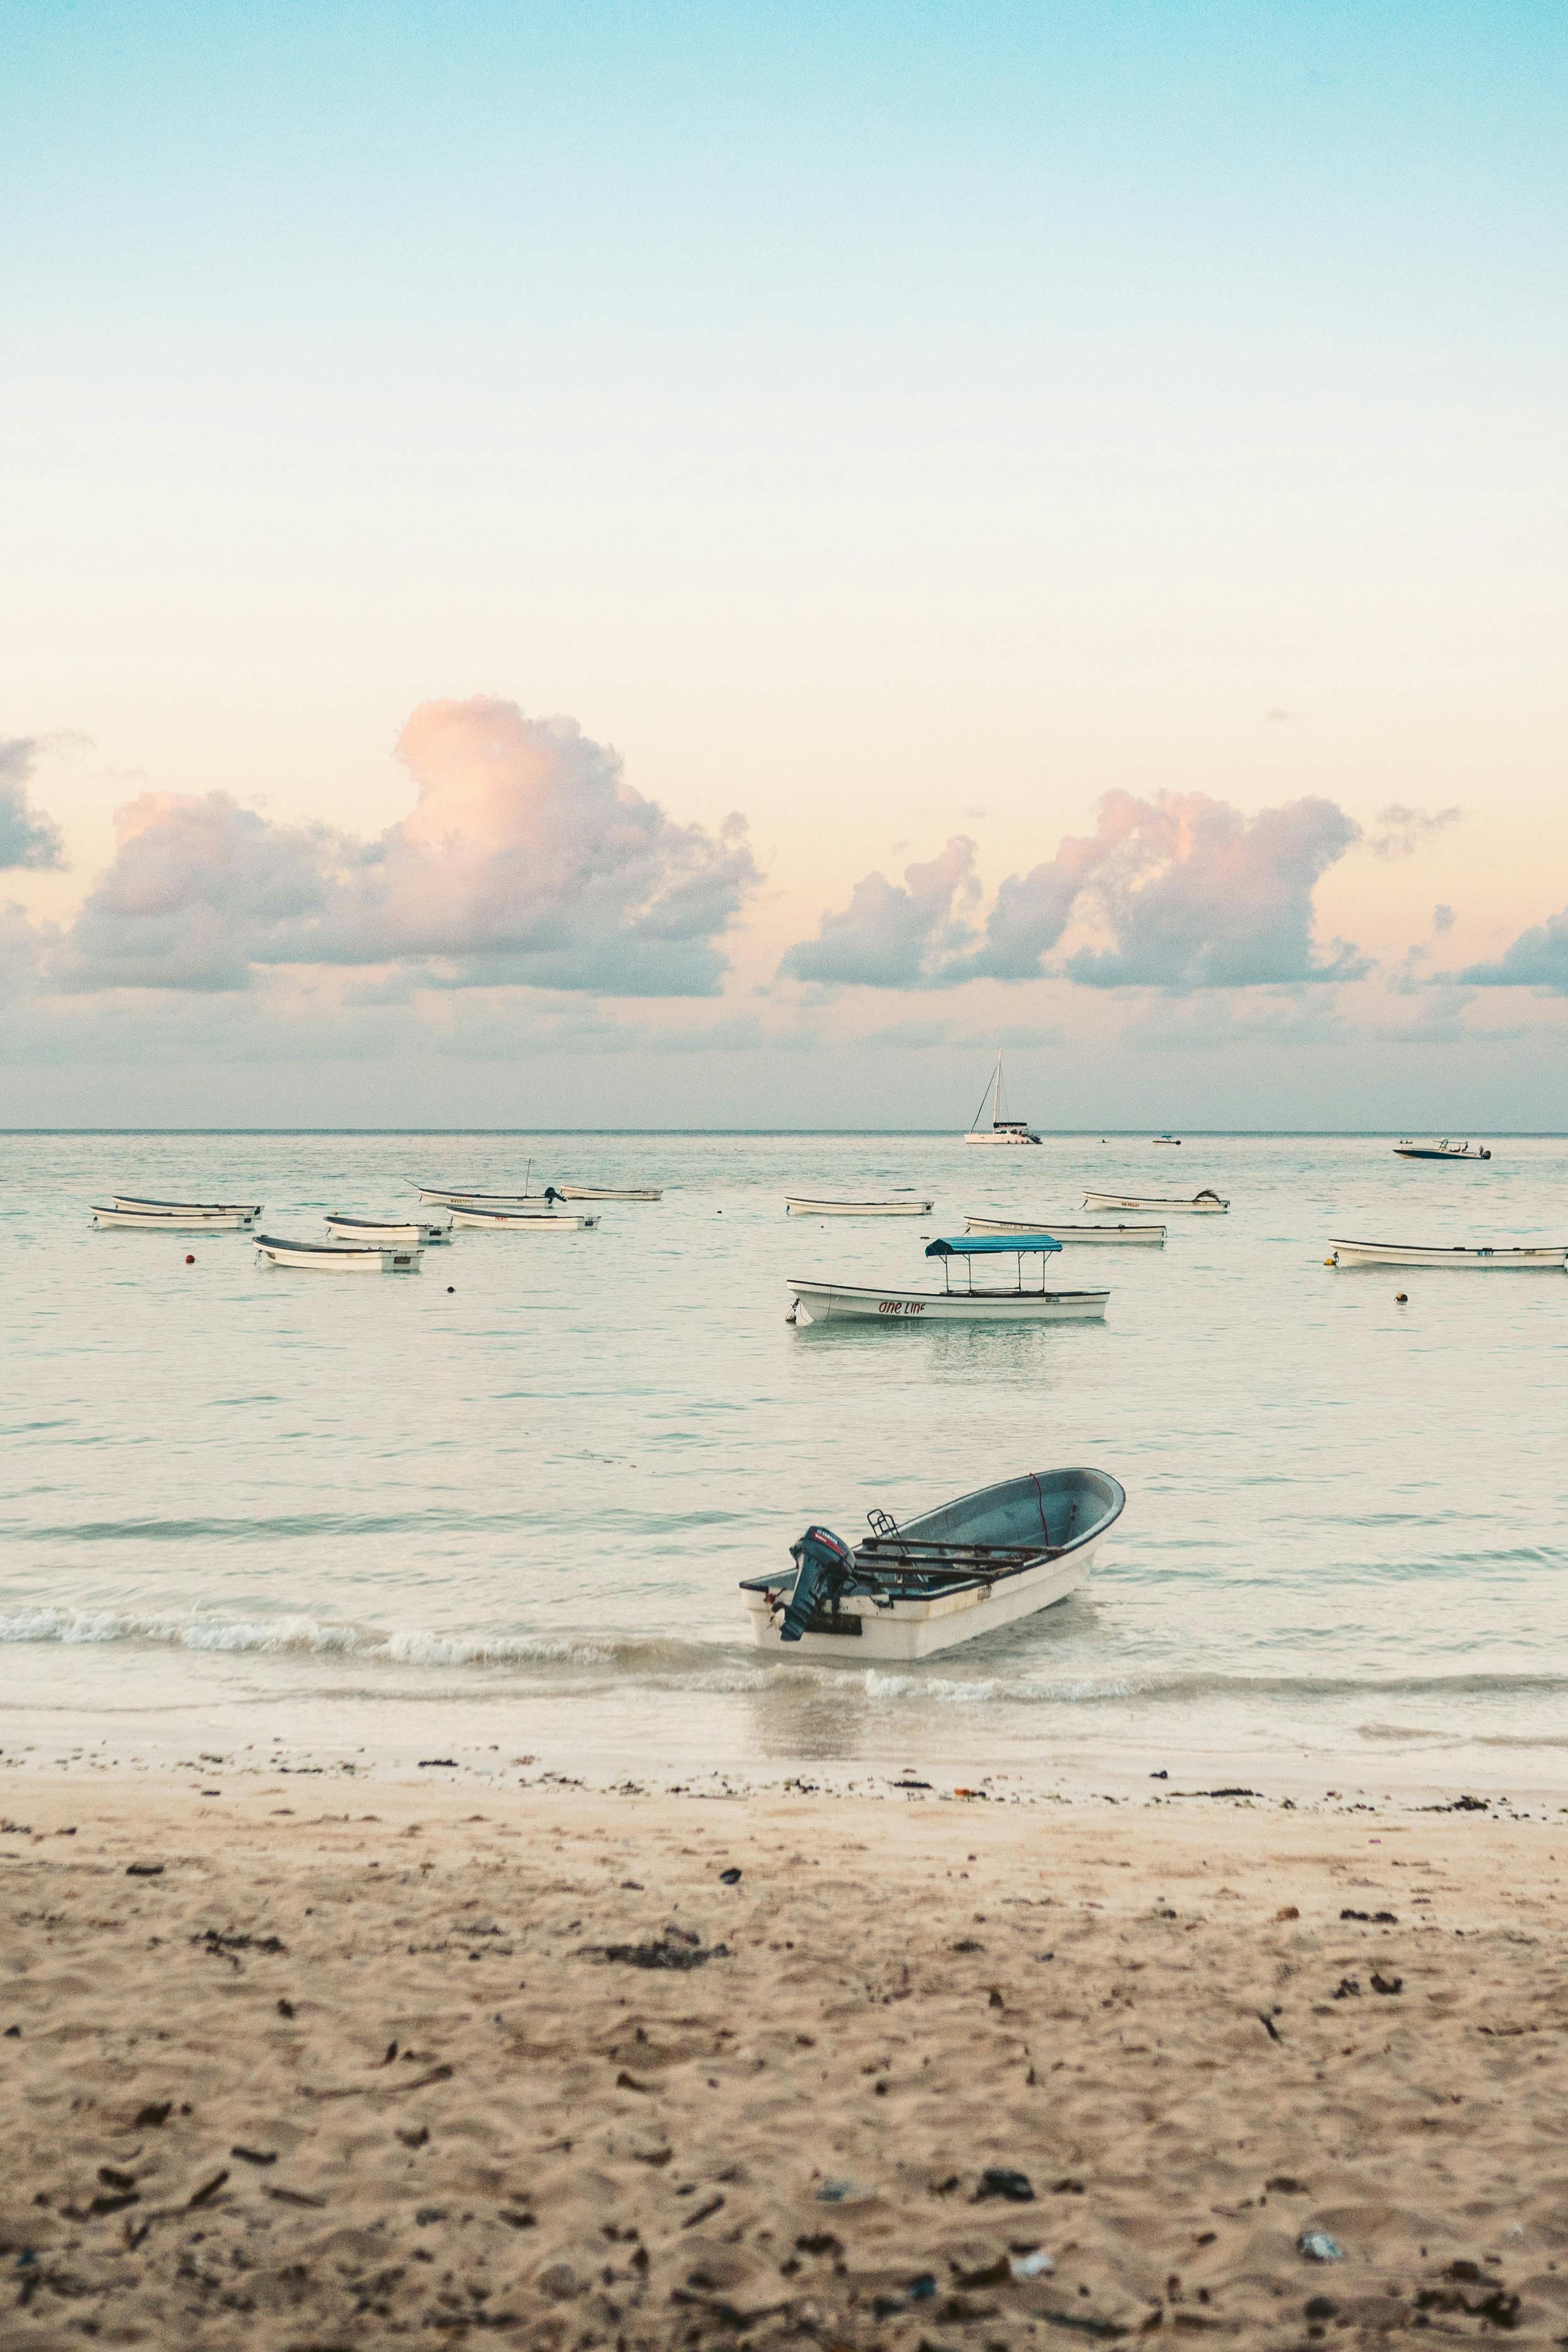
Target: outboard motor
(824, 1563)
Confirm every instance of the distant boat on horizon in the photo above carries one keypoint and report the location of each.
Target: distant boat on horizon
(1001, 1129)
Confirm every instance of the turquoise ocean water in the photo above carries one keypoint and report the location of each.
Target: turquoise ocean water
(386, 1515)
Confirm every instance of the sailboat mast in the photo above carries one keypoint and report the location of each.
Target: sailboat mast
(993, 1082)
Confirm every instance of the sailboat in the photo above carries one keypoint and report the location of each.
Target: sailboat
(1001, 1129)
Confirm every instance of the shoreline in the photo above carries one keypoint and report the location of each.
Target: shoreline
(283, 2066)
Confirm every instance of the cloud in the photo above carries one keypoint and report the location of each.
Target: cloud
(1192, 894)
(1229, 903)
(889, 936)
(1408, 829)
(1537, 958)
(199, 891)
(26, 839)
(527, 861)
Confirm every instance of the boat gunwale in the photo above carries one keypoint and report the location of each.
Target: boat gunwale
(882, 1291)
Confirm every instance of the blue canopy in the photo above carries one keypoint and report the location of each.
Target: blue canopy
(987, 1245)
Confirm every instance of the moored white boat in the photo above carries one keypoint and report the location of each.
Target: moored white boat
(186, 1208)
(1205, 1203)
(1541, 1259)
(611, 1191)
(800, 1204)
(984, 1562)
(176, 1220)
(335, 1258)
(830, 1302)
(520, 1220)
(1002, 1130)
(513, 1201)
(399, 1233)
(1151, 1236)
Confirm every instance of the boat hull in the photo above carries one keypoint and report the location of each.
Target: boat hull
(1001, 1142)
(327, 1257)
(1147, 1236)
(388, 1233)
(520, 1220)
(837, 1302)
(1491, 1261)
(517, 1202)
(799, 1206)
(186, 1208)
(1197, 1208)
(920, 1627)
(610, 1192)
(175, 1220)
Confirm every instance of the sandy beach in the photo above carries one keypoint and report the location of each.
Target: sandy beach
(304, 2065)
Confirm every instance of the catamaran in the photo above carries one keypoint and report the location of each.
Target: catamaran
(1001, 1129)
(832, 1302)
(984, 1562)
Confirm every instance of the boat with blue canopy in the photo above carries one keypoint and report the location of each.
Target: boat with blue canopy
(969, 1301)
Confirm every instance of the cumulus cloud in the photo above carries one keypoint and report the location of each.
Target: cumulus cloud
(1407, 830)
(527, 860)
(28, 838)
(889, 936)
(1229, 903)
(1537, 958)
(1192, 893)
(198, 891)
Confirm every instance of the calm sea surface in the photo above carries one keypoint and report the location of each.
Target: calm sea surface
(503, 1505)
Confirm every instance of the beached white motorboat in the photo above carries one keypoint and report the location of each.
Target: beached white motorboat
(1441, 1149)
(799, 1205)
(1151, 1236)
(1001, 1130)
(186, 1208)
(176, 1220)
(832, 1302)
(984, 1562)
(1203, 1204)
(1543, 1259)
(610, 1192)
(522, 1220)
(335, 1258)
(392, 1233)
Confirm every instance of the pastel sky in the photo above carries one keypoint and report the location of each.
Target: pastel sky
(708, 564)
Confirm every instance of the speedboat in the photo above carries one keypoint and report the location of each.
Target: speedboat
(335, 1258)
(1552, 1260)
(397, 1232)
(832, 1302)
(800, 1204)
(1167, 1138)
(1441, 1149)
(984, 1562)
(176, 1220)
(1001, 1129)
(1153, 1237)
(1204, 1203)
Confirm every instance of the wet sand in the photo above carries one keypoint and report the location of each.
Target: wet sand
(310, 2064)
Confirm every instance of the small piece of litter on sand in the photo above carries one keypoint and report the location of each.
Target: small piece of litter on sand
(143, 1870)
(1318, 2247)
(728, 1878)
(1031, 2265)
